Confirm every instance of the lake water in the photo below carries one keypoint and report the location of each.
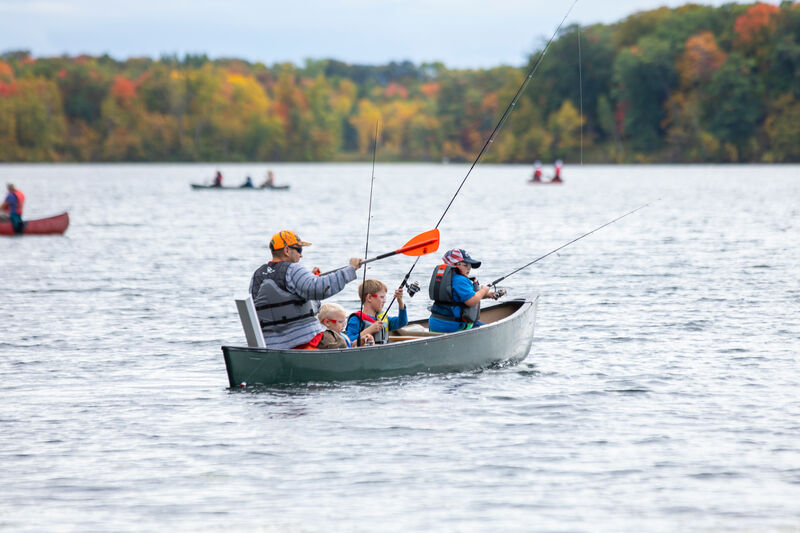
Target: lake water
(661, 392)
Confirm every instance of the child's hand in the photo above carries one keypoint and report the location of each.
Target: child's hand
(398, 295)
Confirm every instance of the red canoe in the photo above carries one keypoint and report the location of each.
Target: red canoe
(41, 226)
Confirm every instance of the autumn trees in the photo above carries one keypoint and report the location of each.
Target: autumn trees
(691, 84)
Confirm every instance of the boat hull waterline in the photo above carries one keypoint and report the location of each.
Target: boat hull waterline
(507, 339)
(199, 187)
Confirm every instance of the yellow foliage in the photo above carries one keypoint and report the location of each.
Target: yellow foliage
(783, 129)
(565, 124)
(364, 123)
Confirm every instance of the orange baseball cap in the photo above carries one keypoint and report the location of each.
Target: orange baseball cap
(286, 238)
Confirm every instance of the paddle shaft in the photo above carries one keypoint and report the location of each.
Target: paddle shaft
(498, 280)
(402, 250)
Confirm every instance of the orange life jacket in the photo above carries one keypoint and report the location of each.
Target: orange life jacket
(20, 200)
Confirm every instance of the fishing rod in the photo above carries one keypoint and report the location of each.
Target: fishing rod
(366, 246)
(498, 280)
(489, 140)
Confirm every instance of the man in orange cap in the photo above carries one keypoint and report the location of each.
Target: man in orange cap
(286, 295)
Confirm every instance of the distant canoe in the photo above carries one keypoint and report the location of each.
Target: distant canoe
(545, 182)
(56, 225)
(197, 186)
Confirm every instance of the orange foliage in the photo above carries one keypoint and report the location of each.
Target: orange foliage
(431, 89)
(490, 103)
(395, 89)
(123, 90)
(62, 73)
(756, 19)
(700, 59)
(6, 72)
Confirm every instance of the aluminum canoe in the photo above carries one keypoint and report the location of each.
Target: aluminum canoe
(505, 339)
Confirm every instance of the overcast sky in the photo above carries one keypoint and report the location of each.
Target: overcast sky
(459, 33)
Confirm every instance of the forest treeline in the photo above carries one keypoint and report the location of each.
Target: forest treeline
(690, 84)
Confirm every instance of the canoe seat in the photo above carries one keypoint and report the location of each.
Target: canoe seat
(250, 324)
(415, 330)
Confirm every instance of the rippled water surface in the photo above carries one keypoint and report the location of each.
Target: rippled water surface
(661, 392)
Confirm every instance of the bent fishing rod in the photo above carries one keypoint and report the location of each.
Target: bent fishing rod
(490, 139)
(498, 280)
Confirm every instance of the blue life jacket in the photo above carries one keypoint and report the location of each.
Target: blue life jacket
(440, 290)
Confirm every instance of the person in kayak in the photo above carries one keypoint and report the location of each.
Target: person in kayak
(217, 179)
(12, 206)
(370, 321)
(286, 295)
(456, 297)
(248, 183)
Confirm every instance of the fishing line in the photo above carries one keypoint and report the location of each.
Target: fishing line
(498, 280)
(580, 86)
(490, 139)
(366, 247)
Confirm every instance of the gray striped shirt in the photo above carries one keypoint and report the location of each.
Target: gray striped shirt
(309, 287)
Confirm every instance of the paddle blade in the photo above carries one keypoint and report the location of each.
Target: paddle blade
(422, 244)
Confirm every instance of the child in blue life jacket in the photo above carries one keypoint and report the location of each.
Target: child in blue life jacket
(373, 297)
(456, 296)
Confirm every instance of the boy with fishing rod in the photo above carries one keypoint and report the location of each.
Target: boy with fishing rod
(456, 296)
(370, 320)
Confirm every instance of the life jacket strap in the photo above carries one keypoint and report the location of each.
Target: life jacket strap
(264, 323)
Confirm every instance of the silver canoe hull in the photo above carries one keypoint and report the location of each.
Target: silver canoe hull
(506, 338)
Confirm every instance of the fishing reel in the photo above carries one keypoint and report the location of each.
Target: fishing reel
(499, 293)
(412, 288)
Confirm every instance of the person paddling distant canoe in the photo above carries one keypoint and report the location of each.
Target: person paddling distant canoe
(248, 183)
(217, 179)
(286, 295)
(557, 177)
(537, 171)
(270, 181)
(12, 207)
(456, 297)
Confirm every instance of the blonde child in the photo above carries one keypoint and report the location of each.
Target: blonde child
(373, 297)
(333, 317)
